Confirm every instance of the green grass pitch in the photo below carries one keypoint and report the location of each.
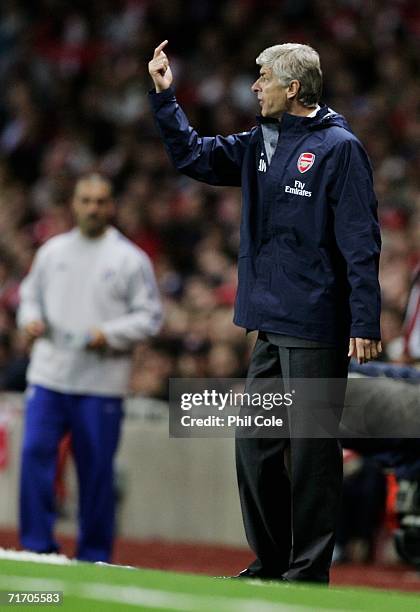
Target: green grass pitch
(88, 587)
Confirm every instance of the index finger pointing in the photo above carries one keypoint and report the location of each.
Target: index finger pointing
(159, 48)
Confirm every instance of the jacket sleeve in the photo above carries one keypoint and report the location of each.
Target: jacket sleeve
(215, 160)
(358, 236)
(144, 309)
(30, 293)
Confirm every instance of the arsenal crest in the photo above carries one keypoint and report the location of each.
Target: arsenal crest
(305, 162)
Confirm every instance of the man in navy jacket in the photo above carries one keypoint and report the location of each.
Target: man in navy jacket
(308, 282)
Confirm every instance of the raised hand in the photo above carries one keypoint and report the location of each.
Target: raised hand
(159, 68)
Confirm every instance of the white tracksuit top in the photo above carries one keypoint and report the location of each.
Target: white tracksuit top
(76, 284)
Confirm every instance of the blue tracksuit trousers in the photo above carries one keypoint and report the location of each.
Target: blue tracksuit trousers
(94, 423)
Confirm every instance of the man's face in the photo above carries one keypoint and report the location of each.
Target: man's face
(272, 94)
(93, 206)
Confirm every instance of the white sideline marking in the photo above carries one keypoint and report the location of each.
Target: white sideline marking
(24, 583)
(150, 598)
(183, 601)
(26, 555)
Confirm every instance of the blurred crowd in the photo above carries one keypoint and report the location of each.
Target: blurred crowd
(73, 98)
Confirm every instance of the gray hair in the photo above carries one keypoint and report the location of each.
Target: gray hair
(293, 61)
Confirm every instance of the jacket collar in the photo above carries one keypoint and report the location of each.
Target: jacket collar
(289, 122)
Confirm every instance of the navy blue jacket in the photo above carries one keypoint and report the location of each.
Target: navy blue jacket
(310, 239)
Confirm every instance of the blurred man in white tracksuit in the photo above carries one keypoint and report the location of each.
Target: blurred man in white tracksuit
(89, 297)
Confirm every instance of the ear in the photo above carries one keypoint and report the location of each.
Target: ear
(293, 89)
(112, 208)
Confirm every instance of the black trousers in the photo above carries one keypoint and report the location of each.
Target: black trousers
(290, 488)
